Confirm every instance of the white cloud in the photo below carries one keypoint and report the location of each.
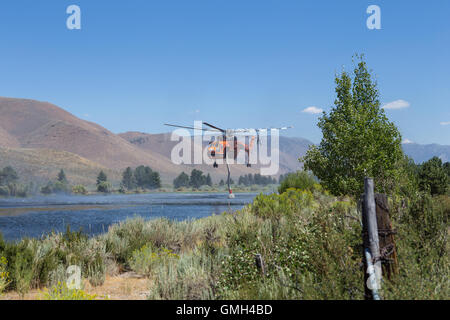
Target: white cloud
(445, 123)
(406, 141)
(312, 110)
(397, 104)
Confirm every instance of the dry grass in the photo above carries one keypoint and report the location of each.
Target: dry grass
(123, 287)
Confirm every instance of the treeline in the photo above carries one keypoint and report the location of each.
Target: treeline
(432, 176)
(258, 179)
(141, 177)
(62, 185)
(9, 183)
(195, 180)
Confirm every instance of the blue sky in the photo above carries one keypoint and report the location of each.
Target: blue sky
(136, 64)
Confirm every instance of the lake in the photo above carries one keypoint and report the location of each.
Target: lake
(36, 216)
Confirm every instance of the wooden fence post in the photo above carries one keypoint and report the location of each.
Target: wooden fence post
(259, 261)
(388, 251)
(370, 239)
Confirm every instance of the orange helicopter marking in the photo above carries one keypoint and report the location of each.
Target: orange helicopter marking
(218, 149)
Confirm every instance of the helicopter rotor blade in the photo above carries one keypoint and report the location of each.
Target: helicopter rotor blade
(268, 129)
(214, 127)
(185, 127)
(258, 130)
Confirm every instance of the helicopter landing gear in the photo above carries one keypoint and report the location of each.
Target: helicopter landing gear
(215, 165)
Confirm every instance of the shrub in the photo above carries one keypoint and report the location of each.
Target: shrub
(274, 205)
(307, 251)
(186, 278)
(300, 180)
(422, 248)
(104, 187)
(22, 271)
(79, 189)
(61, 187)
(62, 292)
(146, 258)
(55, 187)
(47, 189)
(4, 274)
(96, 273)
(433, 177)
(4, 191)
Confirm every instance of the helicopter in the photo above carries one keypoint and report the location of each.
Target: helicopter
(227, 140)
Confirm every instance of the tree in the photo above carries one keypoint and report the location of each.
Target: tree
(128, 180)
(102, 183)
(155, 180)
(208, 180)
(61, 184)
(181, 181)
(358, 139)
(447, 169)
(8, 175)
(101, 177)
(62, 177)
(141, 175)
(197, 179)
(145, 177)
(221, 183)
(433, 177)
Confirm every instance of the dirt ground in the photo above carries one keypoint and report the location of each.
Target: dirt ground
(127, 286)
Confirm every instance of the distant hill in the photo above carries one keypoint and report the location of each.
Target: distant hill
(424, 152)
(41, 125)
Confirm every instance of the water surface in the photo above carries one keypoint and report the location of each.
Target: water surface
(36, 216)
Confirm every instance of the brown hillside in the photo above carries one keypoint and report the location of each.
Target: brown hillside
(7, 140)
(42, 165)
(41, 125)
